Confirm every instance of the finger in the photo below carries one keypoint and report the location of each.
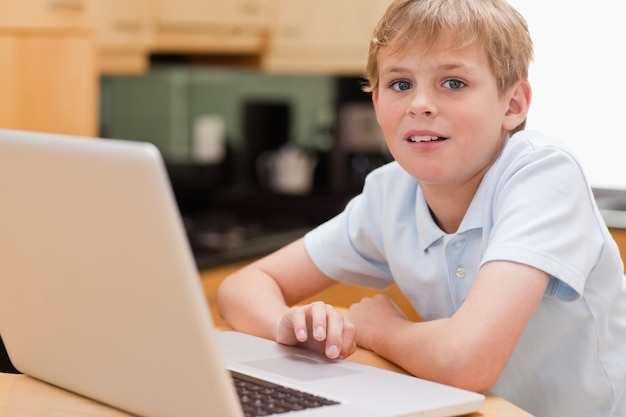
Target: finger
(334, 332)
(319, 320)
(340, 339)
(298, 318)
(293, 327)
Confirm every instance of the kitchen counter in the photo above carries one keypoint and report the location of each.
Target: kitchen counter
(615, 219)
(255, 224)
(612, 205)
(250, 249)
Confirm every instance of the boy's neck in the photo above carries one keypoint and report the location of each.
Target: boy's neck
(448, 205)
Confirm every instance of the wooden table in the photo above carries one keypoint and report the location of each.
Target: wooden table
(23, 396)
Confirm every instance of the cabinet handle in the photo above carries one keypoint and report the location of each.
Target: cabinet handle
(66, 4)
(127, 26)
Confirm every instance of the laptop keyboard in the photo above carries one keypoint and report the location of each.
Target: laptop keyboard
(261, 398)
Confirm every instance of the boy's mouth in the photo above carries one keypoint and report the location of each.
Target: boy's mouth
(416, 139)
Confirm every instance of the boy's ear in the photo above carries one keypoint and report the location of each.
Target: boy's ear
(375, 102)
(519, 103)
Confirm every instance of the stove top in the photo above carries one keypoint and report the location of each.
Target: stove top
(219, 238)
(237, 229)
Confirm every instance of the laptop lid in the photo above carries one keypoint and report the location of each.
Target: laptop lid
(99, 294)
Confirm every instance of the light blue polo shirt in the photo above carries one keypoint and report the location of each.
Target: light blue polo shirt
(534, 207)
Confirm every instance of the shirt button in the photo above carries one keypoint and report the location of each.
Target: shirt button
(458, 244)
(460, 272)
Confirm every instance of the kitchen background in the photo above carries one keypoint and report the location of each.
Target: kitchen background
(238, 93)
(255, 159)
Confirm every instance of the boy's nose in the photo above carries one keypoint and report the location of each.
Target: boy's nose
(421, 105)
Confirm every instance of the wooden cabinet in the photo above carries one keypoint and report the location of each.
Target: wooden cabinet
(48, 77)
(321, 36)
(52, 52)
(123, 31)
(209, 26)
(41, 15)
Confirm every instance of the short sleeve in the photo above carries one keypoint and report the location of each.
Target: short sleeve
(350, 246)
(542, 210)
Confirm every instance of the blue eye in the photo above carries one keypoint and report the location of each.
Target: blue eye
(454, 84)
(400, 85)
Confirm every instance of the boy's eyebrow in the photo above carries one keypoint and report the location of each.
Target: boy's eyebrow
(454, 66)
(393, 69)
(460, 65)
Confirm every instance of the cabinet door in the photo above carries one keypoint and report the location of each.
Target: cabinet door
(325, 35)
(123, 24)
(198, 13)
(45, 14)
(48, 83)
(300, 24)
(123, 35)
(218, 26)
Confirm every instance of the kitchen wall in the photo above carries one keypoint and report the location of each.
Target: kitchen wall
(163, 105)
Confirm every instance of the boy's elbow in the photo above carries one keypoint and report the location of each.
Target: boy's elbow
(463, 370)
(480, 382)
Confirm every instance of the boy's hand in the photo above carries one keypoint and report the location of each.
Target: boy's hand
(318, 327)
(372, 313)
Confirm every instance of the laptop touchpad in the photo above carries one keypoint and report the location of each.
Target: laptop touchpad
(301, 368)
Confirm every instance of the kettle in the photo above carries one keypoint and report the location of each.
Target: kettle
(288, 170)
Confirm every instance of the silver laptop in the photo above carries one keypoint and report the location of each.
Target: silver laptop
(100, 295)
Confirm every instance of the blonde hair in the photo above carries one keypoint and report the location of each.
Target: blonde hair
(493, 24)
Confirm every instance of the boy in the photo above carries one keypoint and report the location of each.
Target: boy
(491, 232)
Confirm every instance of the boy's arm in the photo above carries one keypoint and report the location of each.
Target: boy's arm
(468, 350)
(258, 299)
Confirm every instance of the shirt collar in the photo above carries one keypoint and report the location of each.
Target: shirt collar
(429, 232)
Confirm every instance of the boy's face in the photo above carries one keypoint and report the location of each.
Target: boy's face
(441, 113)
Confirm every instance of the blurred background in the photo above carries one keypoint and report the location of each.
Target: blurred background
(256, 105)
(255, 159)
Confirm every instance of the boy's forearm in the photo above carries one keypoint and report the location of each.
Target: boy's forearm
(251, 304)
(434, 350)
(437, 350)
(472, 347)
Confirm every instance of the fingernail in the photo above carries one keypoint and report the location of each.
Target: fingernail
(332, 351)
(320, 333)
(301, 335)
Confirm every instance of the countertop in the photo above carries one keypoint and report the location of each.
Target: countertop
(612, 205)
